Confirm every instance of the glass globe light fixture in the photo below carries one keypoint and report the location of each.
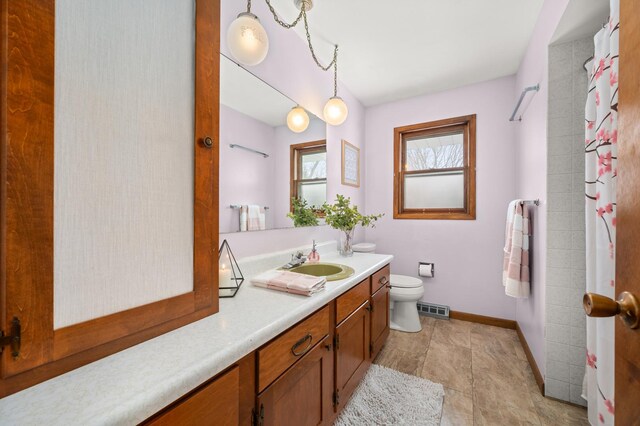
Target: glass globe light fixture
(247, 40)
(297, 119)
(335, 111)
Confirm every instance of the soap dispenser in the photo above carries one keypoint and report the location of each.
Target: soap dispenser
(314, 256)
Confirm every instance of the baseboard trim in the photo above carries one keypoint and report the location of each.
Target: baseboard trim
(481, 319)
(531, 359)
(505, 323)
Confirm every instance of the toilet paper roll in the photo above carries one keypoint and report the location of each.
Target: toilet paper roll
(425, 270)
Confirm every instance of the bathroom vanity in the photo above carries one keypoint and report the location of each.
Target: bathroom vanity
(306, 374)
(267, 357)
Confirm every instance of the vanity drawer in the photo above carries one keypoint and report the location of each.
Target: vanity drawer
(380, 278)
(283, 351)
(352, 300)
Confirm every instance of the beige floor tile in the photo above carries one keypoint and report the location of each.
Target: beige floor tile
(510, 368)
(552, 413)
(450, 365)
(502, 417)
(452, 332)
(405, 362)
(457, 409)
(499, 341)
(416, 343)
(500, 397)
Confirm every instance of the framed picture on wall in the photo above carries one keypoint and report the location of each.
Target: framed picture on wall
(350, 164)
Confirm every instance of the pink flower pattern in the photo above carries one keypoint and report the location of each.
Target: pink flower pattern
(601, 151)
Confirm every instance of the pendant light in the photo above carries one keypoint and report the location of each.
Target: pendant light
(297, 119)
(247, 40)
(249, 44)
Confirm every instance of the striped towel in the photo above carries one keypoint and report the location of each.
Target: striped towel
(291, 282)
(515, 270)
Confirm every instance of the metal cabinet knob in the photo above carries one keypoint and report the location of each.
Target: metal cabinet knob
(627, 307)
(208, 142)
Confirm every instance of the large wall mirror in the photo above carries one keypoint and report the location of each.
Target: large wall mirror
(263, 164)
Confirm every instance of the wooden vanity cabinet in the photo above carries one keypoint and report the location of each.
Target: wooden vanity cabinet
(352, 353)
(303, 395)
(379, 320)
(380, 301)
(214, 403)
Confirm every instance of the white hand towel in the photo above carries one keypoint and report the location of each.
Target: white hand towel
(253, 218)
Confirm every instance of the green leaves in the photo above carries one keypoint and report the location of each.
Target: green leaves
(342, 215)
(303, 214)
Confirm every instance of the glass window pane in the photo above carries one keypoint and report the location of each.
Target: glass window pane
(314, 165)
(434, 191)
(434, 152)
(314, 192)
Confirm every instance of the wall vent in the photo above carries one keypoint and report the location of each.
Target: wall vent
(433, 310)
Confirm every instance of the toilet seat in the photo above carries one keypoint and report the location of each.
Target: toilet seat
(364, 247)
(404, 282)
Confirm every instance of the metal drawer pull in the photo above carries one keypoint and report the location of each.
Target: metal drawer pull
(383, 281)
(299, 343)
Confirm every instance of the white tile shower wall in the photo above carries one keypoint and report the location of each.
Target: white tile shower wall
(565, 332)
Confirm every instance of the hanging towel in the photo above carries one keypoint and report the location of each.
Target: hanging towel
(263, 219)
(515, 271)
(243, 218)
(291, 282)
(253, 217)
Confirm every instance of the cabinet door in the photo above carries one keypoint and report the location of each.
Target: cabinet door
(379, 320)
(108, 188)
(215, 403)
(303, 395)
(352, 353)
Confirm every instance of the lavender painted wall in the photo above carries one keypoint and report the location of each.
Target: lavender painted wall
(245, 178)
(467, 254)
(290, 69)
(531, 169)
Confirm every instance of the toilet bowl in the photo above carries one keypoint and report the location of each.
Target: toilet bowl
(404, 295)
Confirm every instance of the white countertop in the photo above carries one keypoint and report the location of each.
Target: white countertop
(130, 386)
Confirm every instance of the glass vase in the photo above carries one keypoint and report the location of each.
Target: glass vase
(346, 243)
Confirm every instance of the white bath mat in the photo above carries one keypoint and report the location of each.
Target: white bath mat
(389, 397)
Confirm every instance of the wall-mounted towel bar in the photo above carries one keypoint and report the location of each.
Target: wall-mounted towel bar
(536, 201)
(522, 95)
(237, 206)
(235, 145)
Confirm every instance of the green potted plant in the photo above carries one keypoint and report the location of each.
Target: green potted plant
(345, 217)
(302, 214)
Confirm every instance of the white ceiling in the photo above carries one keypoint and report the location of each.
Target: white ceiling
(395, 50)
(242, 91)
(581, 18)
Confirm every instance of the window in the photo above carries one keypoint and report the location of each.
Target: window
(309, 172)
(434, 170)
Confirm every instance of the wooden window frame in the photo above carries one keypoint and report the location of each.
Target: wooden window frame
(26, 202)
(465, 123)
(295, 162)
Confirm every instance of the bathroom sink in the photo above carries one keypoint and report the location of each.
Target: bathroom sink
(332, 271)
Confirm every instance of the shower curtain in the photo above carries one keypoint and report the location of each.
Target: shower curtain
(601, 121)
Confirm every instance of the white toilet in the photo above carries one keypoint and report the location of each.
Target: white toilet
(405, 293)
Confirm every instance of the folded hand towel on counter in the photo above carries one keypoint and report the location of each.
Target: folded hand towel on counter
(291, 282)
(515, 272)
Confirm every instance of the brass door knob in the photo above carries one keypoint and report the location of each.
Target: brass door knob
(627, 307)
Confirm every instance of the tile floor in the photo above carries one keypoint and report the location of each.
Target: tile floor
(484, 371)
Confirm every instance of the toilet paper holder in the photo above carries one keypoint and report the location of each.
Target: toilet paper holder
(426, 269)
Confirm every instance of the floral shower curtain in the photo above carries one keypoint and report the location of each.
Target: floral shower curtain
(601, 120)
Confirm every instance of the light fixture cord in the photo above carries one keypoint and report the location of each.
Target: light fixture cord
(303, 14)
